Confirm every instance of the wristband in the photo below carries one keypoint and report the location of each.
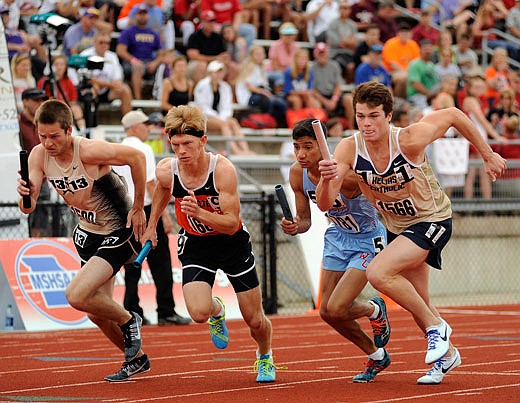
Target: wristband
(193, 6)
(133, 60)
(335, 98)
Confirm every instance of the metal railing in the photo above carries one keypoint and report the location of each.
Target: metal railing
(486, 50)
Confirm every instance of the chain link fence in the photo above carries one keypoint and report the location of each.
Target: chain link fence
(479, 263)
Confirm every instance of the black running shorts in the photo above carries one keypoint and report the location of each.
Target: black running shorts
(432, 236)
(117, 248)
(202, 256)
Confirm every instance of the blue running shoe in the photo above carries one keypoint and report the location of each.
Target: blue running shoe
(381, 324)
(218, 329)
(266, 369)
(373, 368)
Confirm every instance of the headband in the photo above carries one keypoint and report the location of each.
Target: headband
(189, 130)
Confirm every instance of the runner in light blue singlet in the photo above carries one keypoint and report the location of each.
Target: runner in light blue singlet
(355, 234)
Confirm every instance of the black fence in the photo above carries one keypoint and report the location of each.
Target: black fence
(479, 263)
(258, 214)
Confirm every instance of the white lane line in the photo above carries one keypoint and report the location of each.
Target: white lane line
(452, 392)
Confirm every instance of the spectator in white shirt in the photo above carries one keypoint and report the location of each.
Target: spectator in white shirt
(215, 97)
(108, 83)
(319, 15)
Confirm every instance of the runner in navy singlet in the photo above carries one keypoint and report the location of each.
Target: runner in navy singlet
(394, 174)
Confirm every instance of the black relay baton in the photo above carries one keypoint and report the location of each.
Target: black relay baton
(282, 199)
(141, 256)
(24, 172)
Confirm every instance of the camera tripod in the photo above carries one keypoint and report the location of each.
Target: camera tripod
(52, 86)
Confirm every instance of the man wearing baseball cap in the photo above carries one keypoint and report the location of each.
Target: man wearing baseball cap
(204, 46)
(139, 49)
(372, 69)
(32, 98)
(327, 85)
(79, 36)
(230, 11)
(136, 125)
(155, 14)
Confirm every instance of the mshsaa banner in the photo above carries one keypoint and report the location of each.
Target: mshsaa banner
(38, 271)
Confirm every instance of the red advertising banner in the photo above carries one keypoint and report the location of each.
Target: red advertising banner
(38, 271)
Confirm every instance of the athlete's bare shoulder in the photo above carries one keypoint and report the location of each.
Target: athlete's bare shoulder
(38, 152)
(296, 177)
(163, 171)
(224, 165)
(225, 175)
(296, 168)
(97, 152)
(345, 151)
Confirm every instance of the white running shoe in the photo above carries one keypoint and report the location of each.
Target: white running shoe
(435, 375)
(438, 342)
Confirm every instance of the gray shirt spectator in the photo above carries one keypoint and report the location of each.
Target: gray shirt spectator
(464, 56)
(79, 36)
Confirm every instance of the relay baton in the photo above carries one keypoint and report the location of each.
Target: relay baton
(282, 199)
(144, 252)
(24, 172)
(322, 141)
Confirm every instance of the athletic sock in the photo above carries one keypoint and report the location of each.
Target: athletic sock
(377, 355)
(221, 312)
(126, 324)
(270, 354)
(439, 326)
(375, 314)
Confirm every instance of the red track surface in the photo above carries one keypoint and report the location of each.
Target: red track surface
(69, 366)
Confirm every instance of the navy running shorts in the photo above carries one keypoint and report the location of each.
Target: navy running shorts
(432, 236)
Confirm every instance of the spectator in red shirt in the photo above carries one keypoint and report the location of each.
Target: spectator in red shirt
(230, 11)
(385, 19)
(363, 12)
(511, 152)
(61, 87)
(423, 30)
(515, 86)
(185, 13)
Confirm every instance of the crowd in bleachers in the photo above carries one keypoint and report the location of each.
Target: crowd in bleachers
(430, 56)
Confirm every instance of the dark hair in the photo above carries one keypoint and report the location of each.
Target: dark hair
(398, 115)
(54, 111)
(304, 129)
(373, 26)
(465, 35)
(373, 94)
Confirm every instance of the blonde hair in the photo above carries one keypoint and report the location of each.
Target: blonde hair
(499, 52)
(508, 91)
(307, 68)
(17, 59)
(249, 63)
(182, 118)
